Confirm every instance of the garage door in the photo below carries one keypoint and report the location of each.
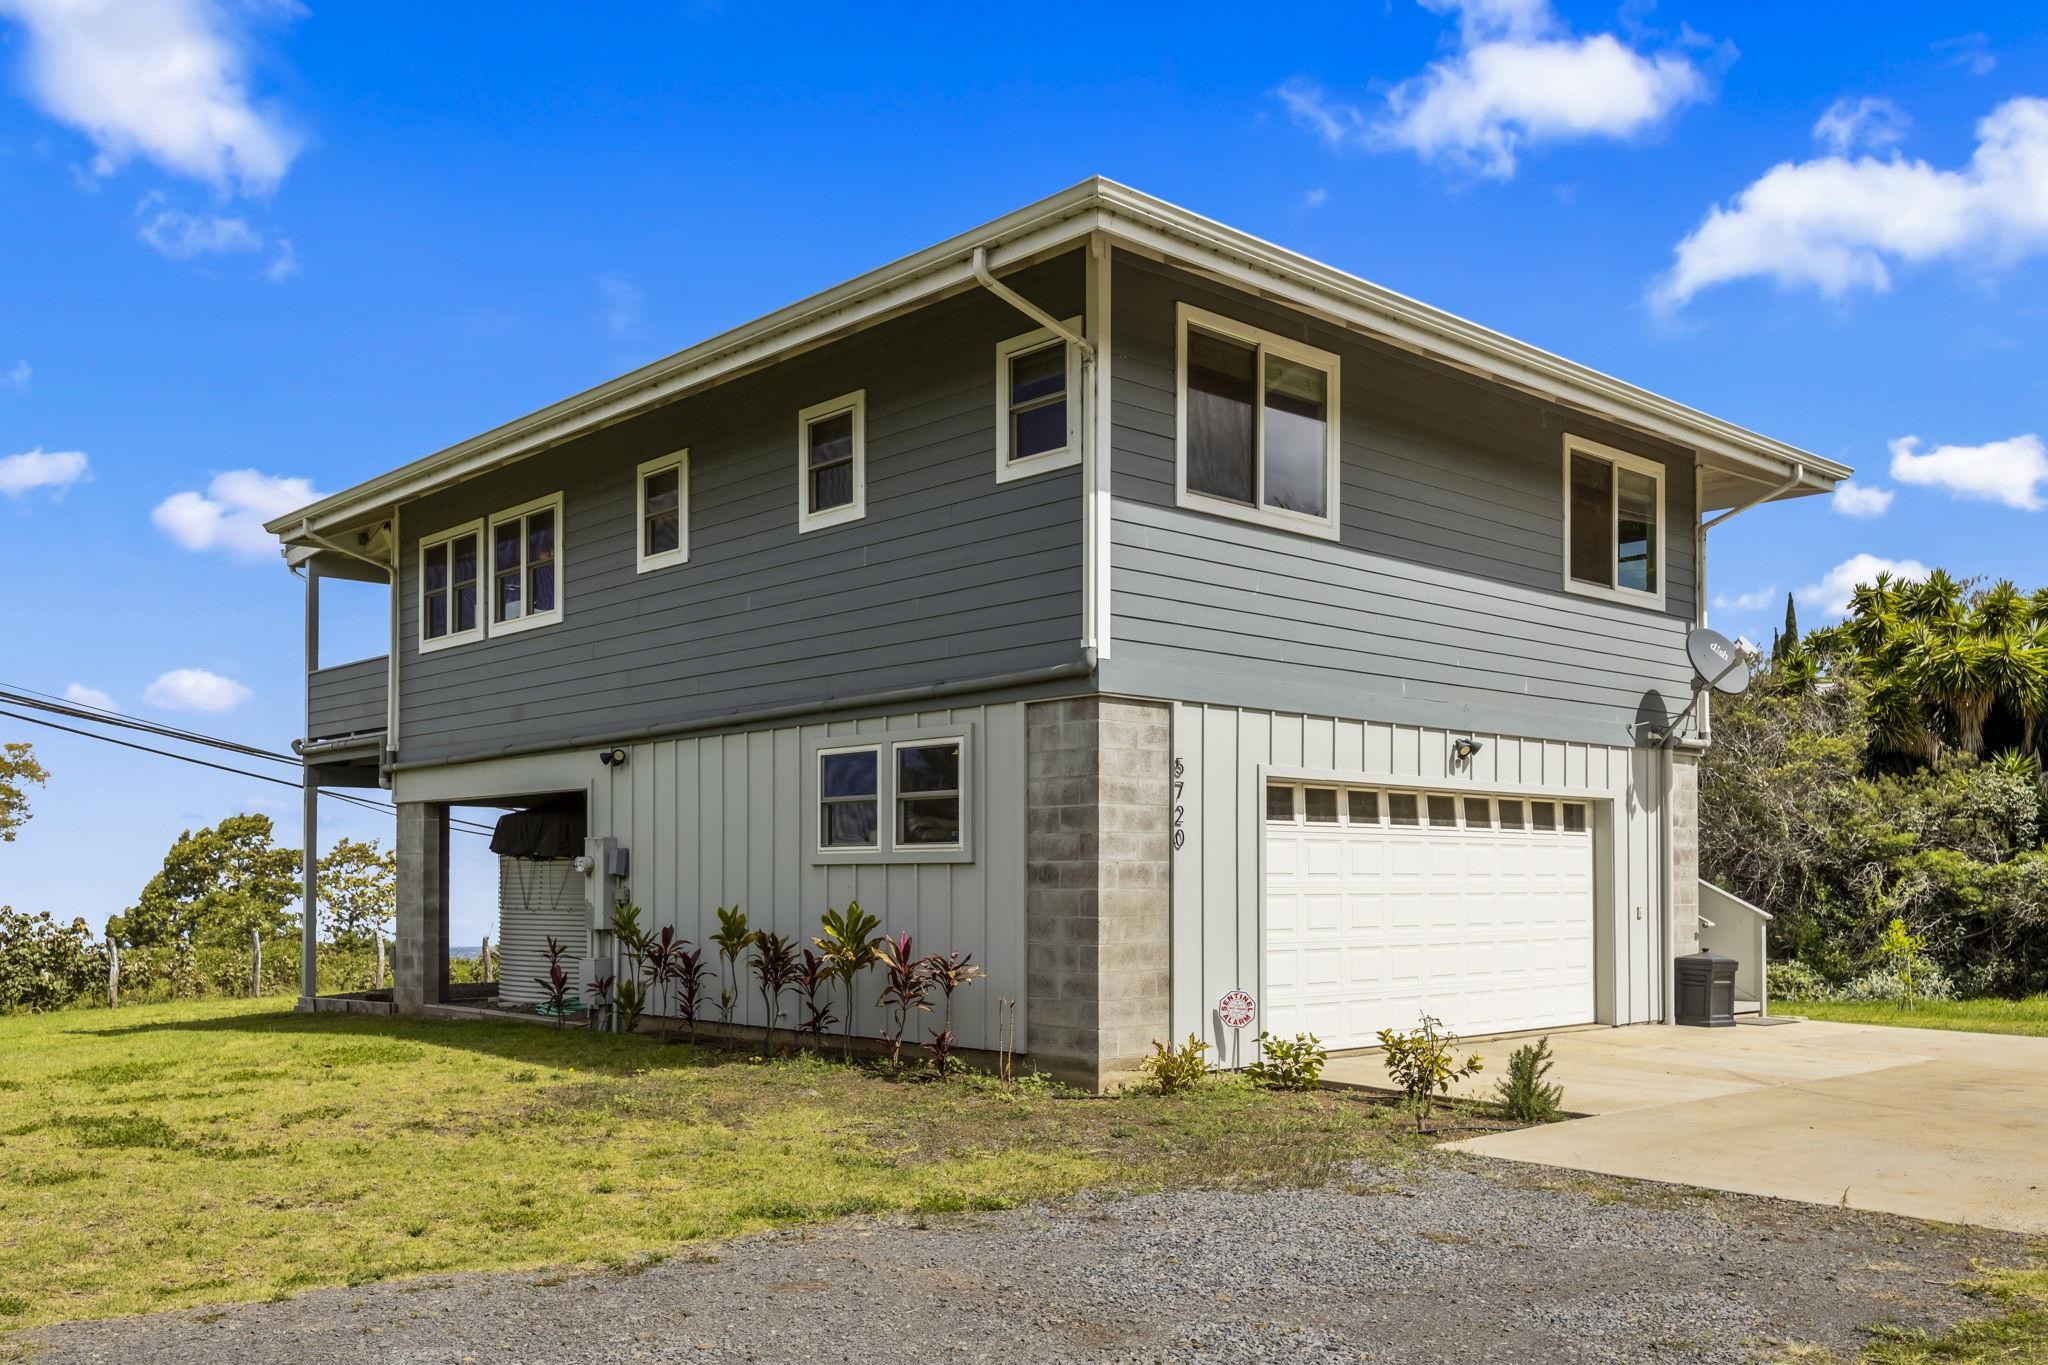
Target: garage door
(1381, 906)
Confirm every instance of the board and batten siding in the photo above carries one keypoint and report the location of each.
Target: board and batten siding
(1220, 754)
(347, 699)
(949, 577)
(1443, 602)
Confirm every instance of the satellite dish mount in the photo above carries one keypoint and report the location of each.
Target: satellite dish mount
(1718, 665)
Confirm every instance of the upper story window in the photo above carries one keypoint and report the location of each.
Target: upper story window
(1038, 413)
(664, 507)
(832, 462)
(526, 566)
(1258, 429)
(1613, 523)
(450, 568)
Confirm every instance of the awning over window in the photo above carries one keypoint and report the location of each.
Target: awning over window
(540, 834)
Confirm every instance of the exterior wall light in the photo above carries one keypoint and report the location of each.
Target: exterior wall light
(1463, 750)
(613, 758)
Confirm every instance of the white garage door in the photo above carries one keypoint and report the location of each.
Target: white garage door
(1382, 906)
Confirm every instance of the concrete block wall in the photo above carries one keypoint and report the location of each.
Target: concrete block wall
(420, 971)
(1098, 902)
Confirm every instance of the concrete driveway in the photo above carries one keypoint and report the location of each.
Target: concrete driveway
(1922, 1122)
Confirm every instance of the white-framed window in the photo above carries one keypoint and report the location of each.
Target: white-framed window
(850, 798)
(1038, 404)
(1613, 523)
(929, 793)
(1257, 425)
(664, 511)
(525, 552)
(902, 797)
(451, 587)
(831, 462)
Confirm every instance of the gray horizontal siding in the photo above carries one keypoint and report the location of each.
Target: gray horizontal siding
(348, 699)
(1443, 601)
(949, 577)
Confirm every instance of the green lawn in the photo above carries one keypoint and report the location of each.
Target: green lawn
(1971, 1016)
(170, 1156)
(2016, 1335)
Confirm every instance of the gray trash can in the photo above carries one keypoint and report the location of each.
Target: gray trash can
(1706, 990)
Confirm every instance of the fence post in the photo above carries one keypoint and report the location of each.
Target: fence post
(113, 975)
(483, 964)
(380, 959)
(255, 962)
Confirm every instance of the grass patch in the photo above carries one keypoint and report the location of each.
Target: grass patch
(2028, 1016)
(2016, 1335)
(353, 1149)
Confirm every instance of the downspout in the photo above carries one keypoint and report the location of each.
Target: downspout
(1664, 755)
(1092, 454)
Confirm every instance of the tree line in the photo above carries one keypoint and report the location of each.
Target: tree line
(193, 928)
(1888, 767)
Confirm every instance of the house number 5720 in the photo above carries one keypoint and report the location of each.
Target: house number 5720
(1180, 811)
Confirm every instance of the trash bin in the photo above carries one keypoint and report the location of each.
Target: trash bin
(1706, 990)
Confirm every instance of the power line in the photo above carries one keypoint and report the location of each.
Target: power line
(105, 716)
(463, 826)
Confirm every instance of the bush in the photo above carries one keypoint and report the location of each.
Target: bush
(1177, 1070)
(1523, 1092)
(1794, 980)
(1423, 1063)
(1886, 985)
(45, 965)
(1289, 1063)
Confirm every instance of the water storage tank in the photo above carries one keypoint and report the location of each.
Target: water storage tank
(1706, 990)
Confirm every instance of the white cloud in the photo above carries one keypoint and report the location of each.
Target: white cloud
(622, 300)
(284, 264)
(179, 235)
(1519, 77)
(229, 516)
(1837, 223)
(1744, 603)
(17, 376)
(39, 468)
(162, 79)
(195, 689)
(1831, 594)
(1315, 198)
(1853, 499)
(1970, 51)
(1869, 122)
(2010, 471)
(81, 695)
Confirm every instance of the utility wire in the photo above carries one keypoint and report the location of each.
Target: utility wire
(463, 826)
(103, 716)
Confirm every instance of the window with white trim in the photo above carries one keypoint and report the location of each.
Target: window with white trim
(928, 794)
(1613, 523)
(1258, 429)
(850, 797)
(525, 547)
(831, 462)
(664, 511)
(450, 572)
(1038, 409)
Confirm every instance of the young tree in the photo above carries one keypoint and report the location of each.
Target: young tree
(358, 890)
(18, 771)
(215, 886)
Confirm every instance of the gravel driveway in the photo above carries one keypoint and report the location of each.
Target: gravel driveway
(1452, 1260)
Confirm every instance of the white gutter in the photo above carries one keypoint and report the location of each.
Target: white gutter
(1028, 308)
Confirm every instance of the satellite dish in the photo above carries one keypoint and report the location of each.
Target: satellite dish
(1718, 661)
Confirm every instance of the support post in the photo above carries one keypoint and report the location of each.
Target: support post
(309, 815)
(421, 975)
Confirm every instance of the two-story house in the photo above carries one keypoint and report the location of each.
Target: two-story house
(1142, 608)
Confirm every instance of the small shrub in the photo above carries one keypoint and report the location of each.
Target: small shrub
(1423, 1063)
(1177, 1070)
(732, 939)
(906, 990)
(556, 983)
(1523, 1093)
(1905, 957)
(775, 969)
(630, 997)
(852, 943)
(1888, 986)
(1289, 1063)
(1794, 980)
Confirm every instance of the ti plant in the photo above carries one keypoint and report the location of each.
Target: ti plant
(906, 990)
(632, 1003)
(813, 974)
(600, 999)
(659, 967)
(633, 943)
(948, 972)
(775, 971)
(731, 940)
(851, 941)
(687, 972)
(556, 982)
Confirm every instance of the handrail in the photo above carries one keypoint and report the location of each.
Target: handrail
(1747, 941)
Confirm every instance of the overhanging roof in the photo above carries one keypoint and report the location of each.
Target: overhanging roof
(1738, 464)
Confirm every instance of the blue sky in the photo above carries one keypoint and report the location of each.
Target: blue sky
(326, 241)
